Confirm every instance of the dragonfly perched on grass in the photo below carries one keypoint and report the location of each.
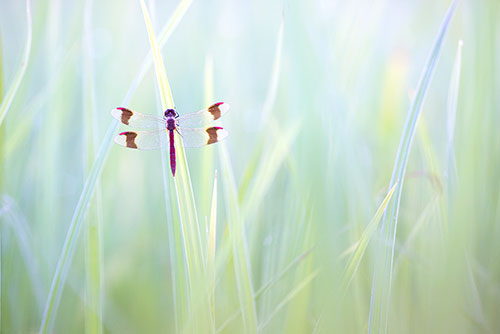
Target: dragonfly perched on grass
(161, 129)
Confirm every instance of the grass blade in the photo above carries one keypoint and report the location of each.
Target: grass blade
(382, 277)
(450, 172)
(11, 215)
(212, 235)
(11, 93)
(238, 242)
(269, 167)
(94, 217)
(269, 284)
(265, 118)
(355, 260)
(288, 298)
(274, 80)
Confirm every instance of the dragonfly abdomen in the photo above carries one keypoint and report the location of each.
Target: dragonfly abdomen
(172, 152)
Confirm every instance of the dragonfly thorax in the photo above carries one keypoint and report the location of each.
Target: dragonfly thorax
(170, 116)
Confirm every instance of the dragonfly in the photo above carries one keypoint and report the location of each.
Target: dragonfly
(160, 130)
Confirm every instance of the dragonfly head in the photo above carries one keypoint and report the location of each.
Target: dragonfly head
(171, 113)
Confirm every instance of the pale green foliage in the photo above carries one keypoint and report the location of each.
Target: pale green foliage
(277, 229)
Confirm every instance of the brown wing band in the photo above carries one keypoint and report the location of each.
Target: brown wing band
(130, 140)
(214, 110)
(212, 134)
(126, 114)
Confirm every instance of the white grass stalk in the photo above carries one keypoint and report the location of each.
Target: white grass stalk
(275, 75)
(207, 154)
(450, 172)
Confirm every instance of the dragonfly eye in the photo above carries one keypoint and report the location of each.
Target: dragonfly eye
(171, 113)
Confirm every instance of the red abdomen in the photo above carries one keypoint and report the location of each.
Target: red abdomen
(172, 151)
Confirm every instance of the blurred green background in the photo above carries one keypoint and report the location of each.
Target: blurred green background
(319, 93)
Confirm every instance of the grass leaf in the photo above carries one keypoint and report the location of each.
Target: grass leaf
(288, 298)
(94, 217)
(362, 243)
(382, 278)
(450, 171)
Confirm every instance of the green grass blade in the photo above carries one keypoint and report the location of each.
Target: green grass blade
(187, 212)
(268, 168)
(11, 215)
(167, 99)
(288, 298)
(269, 103)
(268, 285)
(94, 217)
(212, 242)
(183, 187)
(355, 260)
(450, 171)
(382, 278)
(11, 93)
(274, 80)
(88, 189)
(238, 241)
(164, 35)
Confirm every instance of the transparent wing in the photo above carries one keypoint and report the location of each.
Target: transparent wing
(203, 117)
(202, 136)
(137, 120)
(143, 140)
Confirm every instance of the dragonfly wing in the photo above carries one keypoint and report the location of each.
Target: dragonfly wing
(143, 140)
(137, 120)
(202, 136)
(204, 116)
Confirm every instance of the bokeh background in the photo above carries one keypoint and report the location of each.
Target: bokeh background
(319, 93)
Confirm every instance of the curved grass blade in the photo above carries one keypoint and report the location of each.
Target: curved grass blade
(355, 260)
(269, 284)
(12, 216)
(252, 165)
(269, 167)
(9, 97)
(274, 80)
(382, 277)
(450, 171)
(288, 298)
(89, 187)
(237, 239)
